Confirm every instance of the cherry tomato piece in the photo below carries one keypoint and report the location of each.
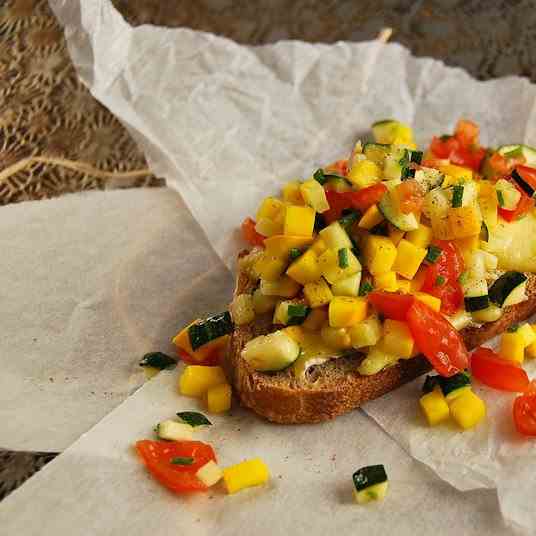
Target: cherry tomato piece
(525, 414)
(391, 304)
(497, 372)
(250, 235)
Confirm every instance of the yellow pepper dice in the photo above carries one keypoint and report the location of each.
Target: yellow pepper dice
(395, 235)
(371, 218)
(271, 209)
(336, 338)
(315, 319)
(432, 302)
(380, 254)
(196, 380)
(317, 293)
(512, 347)
(464, 221)
(246, 474)
(434, 407)
(527, 333)
(345, 311)
(269, 267)
(299, 221)
(531, 350)
(397, 339)
(364, 173)
(291, 193)
(408, 259)
(366, 333)
(420, 237)
(314, 195)
(305, 269)
(284, 287)
(386, 281)
(455, 174)
(219, 398)
(467, 410)
(280, 245)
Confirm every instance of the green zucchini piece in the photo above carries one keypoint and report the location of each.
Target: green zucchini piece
(349, 219)
(476, 303)
(476, 294)
(490, 314)
(511, 151)
(370, 483)
(377, 152)
(453, 383)
(343, 258)
(429, 178)
(430, 383)
(503, 287)
(158, 360)
(210, 329)
(404, 222)
(527, 188)
(193, 418)
(381, 229)
(320, 222)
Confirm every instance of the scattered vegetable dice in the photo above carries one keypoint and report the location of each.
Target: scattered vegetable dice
(219, 398)
(245, 475)
(196, 380)
(434, 407)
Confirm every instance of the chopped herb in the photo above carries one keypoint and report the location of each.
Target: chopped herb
(457, 196)
(158, 360)
(365, 288)
(319, 176)
(500, 198)
(433, 253)
(193, 418)
(349, 219)
(182, 460)
(513, 328)
(440, 280)
(297, 313)
(464, 276)
(294, 253)
(343, 258)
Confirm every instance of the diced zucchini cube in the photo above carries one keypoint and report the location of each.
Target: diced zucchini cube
(467, 410)
(512, 347)
(330, 266)
(527, 333)
(245, 475)
(174, 431)
(317, 293)
(420, 237)
(377, 359)
(380, 254)
(408, 258)
(263, 304)
(196, 380)
(366, 333)
(397, 338)
(364, 173)
(372, 493)
(219, 398)
(371, 218)
(284, 287)
(345, 311)
(336, 338)
(314, 195)
(209, 474)
(348, 286)
(305, 269)
(335, 237)
(432, 302)
(386, 281)
(271, 352)
(434, 407)
(299, 221)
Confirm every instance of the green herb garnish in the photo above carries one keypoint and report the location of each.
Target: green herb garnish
(513, 328)
(193, 418)
(297, 313)
(158, 360)
(500, 198)
(433, 253)
(457, 196)
(294, 253)
(365, 288)
(182, 460)
(343, 258)
(440, 280)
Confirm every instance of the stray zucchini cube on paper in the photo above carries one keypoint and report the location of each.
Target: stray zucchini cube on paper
(370, 484)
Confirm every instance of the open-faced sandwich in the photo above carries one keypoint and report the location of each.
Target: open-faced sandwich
(375, 270)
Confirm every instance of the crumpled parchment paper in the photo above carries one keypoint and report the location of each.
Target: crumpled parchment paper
(226, 124)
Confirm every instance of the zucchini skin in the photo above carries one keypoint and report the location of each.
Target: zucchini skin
(527, 188)
(502, 287)
(211, 328)
(476, 303)
(369, 476)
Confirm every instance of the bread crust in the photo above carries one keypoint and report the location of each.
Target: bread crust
(338, 387)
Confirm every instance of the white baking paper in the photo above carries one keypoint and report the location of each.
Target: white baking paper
(98, 486)
(90, 283)
(226, 124)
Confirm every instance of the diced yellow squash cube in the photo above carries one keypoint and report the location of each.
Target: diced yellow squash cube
(284, 287)
(455, 174)
(434, 407)
(418, 280)
(295, 332)
(280, 245)
(317, 293)
(408, 259)
(335, 237)
(364, 173)
(345, 311)
(531, 350)
(219, 398)
(338, 185)
(386, 281)
(319, 246)
(441, 228)
(299, 221)
(270, 208)
(371, 218)
(467, 410)
(305, 269)
(314, 195)
(336, 338)
(404, 286)
(512, 347)
(245, 475)
(395, 235)
(527, 333)
(263, 304)
(270, 267)
(315, 319)
(391, 131)
(432, 302)
(330, 265)
(366, 333)
(487, 200)
(420, 237)
(348, 286)
(292, 194)
(267, 227)
(468, 245)
(380, 254)
(464, 221)
(397, 339)
(242, 309)
(196, 380)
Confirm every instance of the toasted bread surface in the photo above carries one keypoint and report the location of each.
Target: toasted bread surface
(335, 387)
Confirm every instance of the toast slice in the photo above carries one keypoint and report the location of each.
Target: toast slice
(335, 387)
